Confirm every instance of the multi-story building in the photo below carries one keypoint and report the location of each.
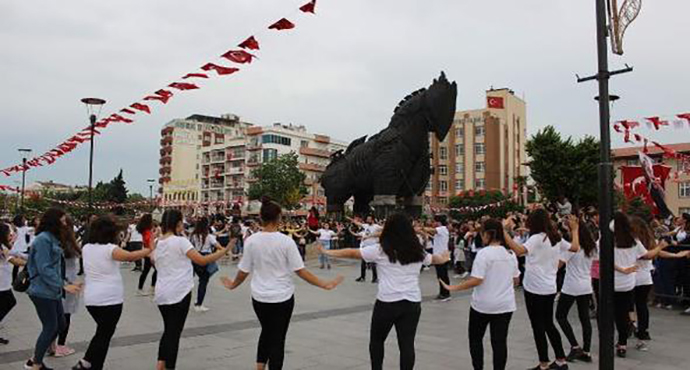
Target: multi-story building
(677, 189)
(484, 149)
(226, 168)
(182, 142)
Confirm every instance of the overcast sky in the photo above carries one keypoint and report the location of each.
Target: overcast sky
(340, 72)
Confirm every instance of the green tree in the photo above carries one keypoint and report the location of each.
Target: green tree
(562, 167)
(281, 180)
(117, 192)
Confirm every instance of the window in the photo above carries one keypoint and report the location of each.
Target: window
(459, 184)
(443, 185)
(684, 189)
(460, 131)
(428, 186)
(443, 200)
(479, 183)
(631, 162)
(459, 150)
(443, 170)
(460, 169)
(270, 154)
(443, 153)
(304, 144)
(479, 167)
(275, 139)
(479, 148)
(479, 130)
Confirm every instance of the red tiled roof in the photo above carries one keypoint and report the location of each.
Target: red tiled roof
(632, 151)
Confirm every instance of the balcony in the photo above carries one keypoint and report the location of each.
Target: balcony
(218, 159)
(251, 131)
(165, 151)
(167, 131)
(235, 186)
(323, 139)
(315, 152)
(164, 179)
(164, 171)
(166, 140)
(254, 146)
(235, 157)
(311, 167)
(165, 160)
(216, 184)
(235, 171)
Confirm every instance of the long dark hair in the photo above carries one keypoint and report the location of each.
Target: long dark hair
(622, 232)
(171, 218)
(145, 223)
(104, 230)
(587, 242)
(51, 222)
(494, 229)
(5, 231)
(642, 231)
(538, 222)
(201, 229)
(399, 240)
(68, 238)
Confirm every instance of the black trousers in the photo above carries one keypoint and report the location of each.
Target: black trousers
(133, 247)
(642, 309)
(62, 336)
(275, 320)
(499, 324)
(106, 318)
(565, 303)
(404, 315)
(442, 274)
(174, 317)
(144, 273)
(622, 304)
(363, 271)
(540, 312)
(7, 303)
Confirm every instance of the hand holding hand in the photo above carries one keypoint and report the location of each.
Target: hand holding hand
(330, 285)
(227, 282)
(73, 288)
(450, 288)
(629, 270)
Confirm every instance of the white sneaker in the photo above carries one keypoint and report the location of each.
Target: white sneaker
(201, 308)
(642, 346)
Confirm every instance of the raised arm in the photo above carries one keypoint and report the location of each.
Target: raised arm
(653, 253)
(351, 253)
(200, 260)
(122, 255)
(574, 224)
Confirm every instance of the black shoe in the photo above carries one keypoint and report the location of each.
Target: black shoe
(555, 366)
(643, 336)
(442, 298)
(359, 279)
(375, 281)
(574, 354)
(4, 341)
(621, 352)
(585, 357)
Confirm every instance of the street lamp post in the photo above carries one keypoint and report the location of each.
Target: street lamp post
(93, 108)
(25, 153)
(151, 184)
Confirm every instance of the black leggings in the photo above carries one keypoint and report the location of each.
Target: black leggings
(622, 303)
(404, 315)
(641, 295)
(363, 271)
(7, 302)
(275, 320)
(174, 317)
(499, 337)
(106, 318)
(442, 274)
(62, 337)
(147, 267)
(565, 303)
(540, 312)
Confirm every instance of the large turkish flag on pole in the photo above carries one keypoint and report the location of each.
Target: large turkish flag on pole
(494, 102)
(635, 183)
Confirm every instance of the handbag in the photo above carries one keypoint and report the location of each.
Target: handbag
(22, 282)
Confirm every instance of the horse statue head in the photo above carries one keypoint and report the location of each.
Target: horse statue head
(435, 104)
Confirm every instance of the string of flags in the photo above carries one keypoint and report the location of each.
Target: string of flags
(625, 128)
(656, 122)
(469, 209)
(242, 54)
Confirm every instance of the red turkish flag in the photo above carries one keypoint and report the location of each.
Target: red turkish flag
(162, 95)
(281, 25)
(141, 107)
(219, 69)
(183, 86)
(128, 111)
(238, 56)
(309, 7)
(250, 44)
(494, 102)
(657, 122)
(685, 116)
(197, 75)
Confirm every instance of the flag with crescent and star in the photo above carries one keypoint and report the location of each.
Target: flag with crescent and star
(494, 102)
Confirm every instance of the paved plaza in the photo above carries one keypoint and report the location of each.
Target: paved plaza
(329, 330)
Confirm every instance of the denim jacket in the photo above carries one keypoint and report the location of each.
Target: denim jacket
(45, 267)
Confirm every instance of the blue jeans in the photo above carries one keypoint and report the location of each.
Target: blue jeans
(52, 317)
(204, 277)
(323, 259)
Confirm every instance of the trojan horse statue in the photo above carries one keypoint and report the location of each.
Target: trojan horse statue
(391, 170)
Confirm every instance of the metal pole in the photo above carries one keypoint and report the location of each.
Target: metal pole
(606, 313)
(21, 205)
(92, 118)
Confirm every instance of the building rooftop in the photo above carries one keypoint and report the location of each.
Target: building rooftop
(652, 150)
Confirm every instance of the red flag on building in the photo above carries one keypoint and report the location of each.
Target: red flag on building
(494, 102)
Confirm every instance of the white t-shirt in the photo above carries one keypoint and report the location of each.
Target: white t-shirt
(497, 267)
(541, 265)
(134, 235)
(102, 280)
(578, 273)
(623, 258)
(5, 272)
(643, 276)
(326, 235)
(207, 246)
(441, 240)
(367, 231)
(396, 282)
(175, 272)
(21, 246)
(271, 258)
